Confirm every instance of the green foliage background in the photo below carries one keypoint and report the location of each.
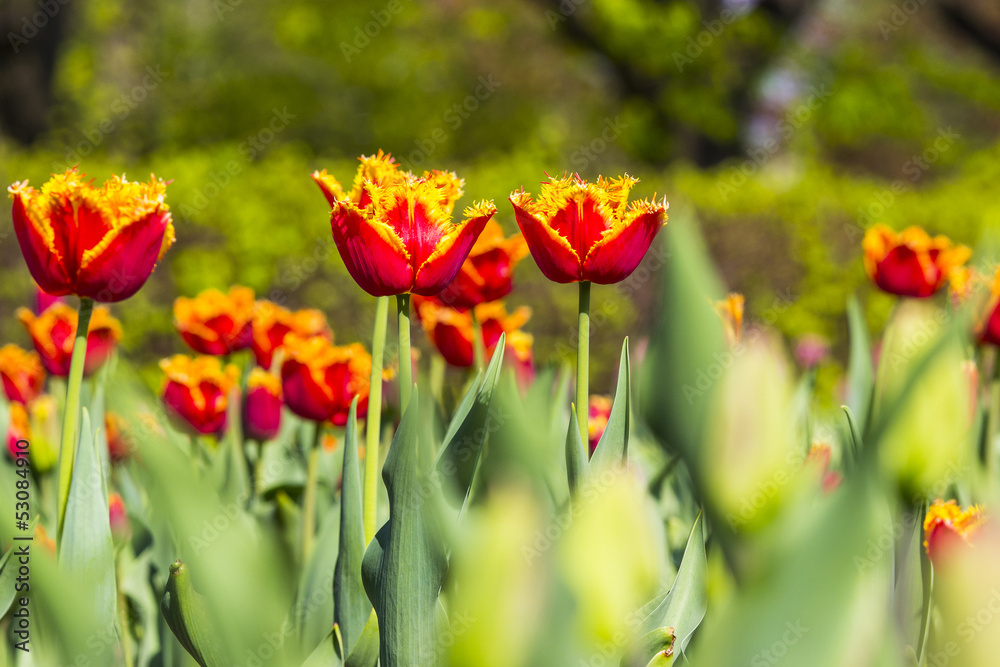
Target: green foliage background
(682, 91)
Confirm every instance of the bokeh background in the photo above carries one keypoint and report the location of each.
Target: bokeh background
(785, 126)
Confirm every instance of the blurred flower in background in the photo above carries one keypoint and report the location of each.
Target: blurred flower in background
(117, 428)
(600, 411)
(319, 380)
(196, 390)
(271, 323)
(22, 374)
(487, 273)
(911, 263)
(215, 322)
(453, 332)
(18, 428)
(947, 526)
(730, 311)
(262, 408)
(54, 330)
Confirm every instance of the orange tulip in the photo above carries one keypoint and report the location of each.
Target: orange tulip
(486, 275)
(196, 389)
(911, 263)
(22, 374)
(271, 323)
(262, 411)
(54, 330)
(453, 331)
(580, 231)
(394, 230)
(97, 242)
(946, 526)
(215, 322)
(319, 380)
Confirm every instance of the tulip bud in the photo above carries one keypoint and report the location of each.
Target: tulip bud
(121, 529)
(18, 429)
(926, 439)
(947, 527)
(262, 412)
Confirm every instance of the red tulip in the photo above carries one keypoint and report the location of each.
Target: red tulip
(271, 323)
(121, 530)
(43, 300)
(486, 275)
(989, 328)
(54, 330)
(910, 263)
(100, 243)
(22, 374)
(600, 411)
(196, 389)
(947, 527)
(580, 231)
(395, 231)
(319, 380)
(18, 428)
(214, 322)
(452, 331)
(262, 411)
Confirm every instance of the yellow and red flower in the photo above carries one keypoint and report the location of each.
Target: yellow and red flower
(453, 331)
(946, 526)
(22, 374)
(121, 529)
(271, 323)
(53, 333)
(97, 242)
(730, 311)
(18, 428)
(911, 263)
(395, 231)
(587, 231)
(262, 410)
(43, 300)
(319, 380)
(215, 322)
(117, 429)
(197, 389)
(599, 409)
(487, 273)
(989, 329)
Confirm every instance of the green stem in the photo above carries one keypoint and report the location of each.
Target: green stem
(478, 344)
(309, 502)
(583, 363)
(373, 428)
(71, 411)
(437, 377)
(405, 358)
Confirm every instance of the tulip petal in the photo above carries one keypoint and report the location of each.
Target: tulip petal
(372, 252)
(329, 185)
(555, 257)
(121, 263)
(42, 251)
(615, 256)
(443, 264)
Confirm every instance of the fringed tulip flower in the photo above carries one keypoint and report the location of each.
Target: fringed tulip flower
(319, 380)
(911, 263)
(22, 374)
(395, 231)
(96, 242)
(580, 231)
(730, 311)
(453, 331)
(946, 526)
(54, 330)
(18, 428)
(271, 323)
(215, 322)
(197, 389)
(600, 411)
(487, 273)
(262, 411)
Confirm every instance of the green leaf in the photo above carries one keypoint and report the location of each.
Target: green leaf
(404, 565)
(186, 614)
(655, 645)
(365, 651)
(325, 654)
(860, 372)
(855, 433)
(314, 603)
(9, 572)
(464, 441)
(684, 606)
(577, 466)
(86, 550)
(612, 449)
(136, 586)
(351, 605)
